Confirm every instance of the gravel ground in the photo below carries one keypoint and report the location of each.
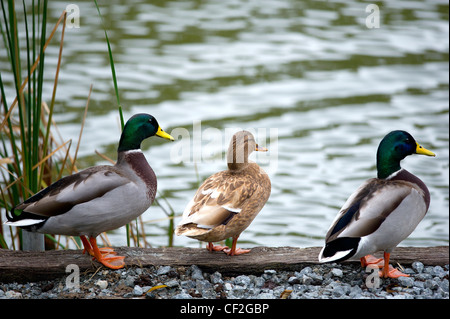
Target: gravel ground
(328, 281)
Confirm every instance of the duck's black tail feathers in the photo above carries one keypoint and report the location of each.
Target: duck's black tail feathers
(339, 249)
(24, 220)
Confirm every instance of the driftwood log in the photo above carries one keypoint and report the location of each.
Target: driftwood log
(22, 266)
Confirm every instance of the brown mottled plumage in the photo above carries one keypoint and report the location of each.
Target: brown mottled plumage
(227, 202)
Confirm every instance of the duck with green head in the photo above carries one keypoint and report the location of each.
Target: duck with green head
(383, 211)
(99, 198)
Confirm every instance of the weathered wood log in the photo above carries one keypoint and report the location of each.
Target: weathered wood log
(23, 266)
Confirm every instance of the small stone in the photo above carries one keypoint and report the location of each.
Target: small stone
(406, 281)
(337, 272)
(238, 292)
(431, 284)
(102, 284)
(187, 284)
(259, 282)
(293, 280)
(444, 285)
(355, 292)
(306, 280)
(138, 291)
(409, 271)
(216, 278)
(269, 273)
(242, 280)
(265, 295)
(278, 291)
(438, 271)
(423, 276)
(172, 283)
(196, 273)
(163, 270)
(182, 295)
(129, 281)
(417, 266)
(11, 294)
(305, 271)
(419, 284)
(338, 292)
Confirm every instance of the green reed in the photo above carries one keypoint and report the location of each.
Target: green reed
(170, 214)
(28, 162)
(28, 150)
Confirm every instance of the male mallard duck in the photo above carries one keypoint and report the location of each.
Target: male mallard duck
(227, 202)
(383, 211)
(99, 198)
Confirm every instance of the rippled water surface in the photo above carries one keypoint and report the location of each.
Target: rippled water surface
(317, 86)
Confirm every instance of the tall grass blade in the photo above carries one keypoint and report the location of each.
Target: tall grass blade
(25, 130)
(113, 69)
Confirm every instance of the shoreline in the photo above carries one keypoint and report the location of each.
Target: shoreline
(264, 273)
(327, 281)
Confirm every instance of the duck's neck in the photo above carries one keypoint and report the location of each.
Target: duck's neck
(136, 161)
(237, 156)
(387, 165)
(129, 157)
(236, 162)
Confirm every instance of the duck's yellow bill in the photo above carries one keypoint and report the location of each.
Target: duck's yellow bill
(423, 151)
(260, 148)
(163, 134)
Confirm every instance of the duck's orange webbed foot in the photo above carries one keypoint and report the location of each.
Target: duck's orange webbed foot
(391, 272)
(372, 260)
(387, 271)
(211, 247)
(113, 262)
(237, 251)
(106, 256)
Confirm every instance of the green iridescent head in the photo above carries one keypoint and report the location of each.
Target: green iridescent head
(394, 147)
(138, 128)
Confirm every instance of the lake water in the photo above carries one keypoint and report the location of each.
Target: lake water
(318, 87)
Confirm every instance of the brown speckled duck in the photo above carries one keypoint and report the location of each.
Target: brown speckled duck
(383, 211)
(99, 198)
(228, 201)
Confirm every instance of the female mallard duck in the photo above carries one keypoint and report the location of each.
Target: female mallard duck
(383, 211)
(227, 202)
(99, 198)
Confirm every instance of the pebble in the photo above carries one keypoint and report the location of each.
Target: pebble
(406, 281)
(337, 272)
(417, 266)
(216, 278)
(242, 280)
(163, 270)
(196, 273)
(102, 284)
(137, 291)
(327, 281)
